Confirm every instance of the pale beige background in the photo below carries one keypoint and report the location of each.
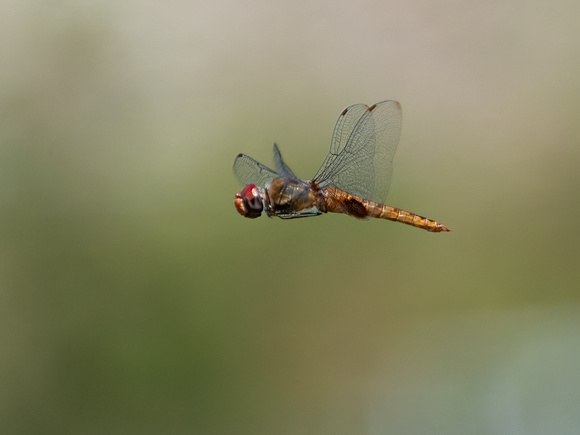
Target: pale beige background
(134, 299)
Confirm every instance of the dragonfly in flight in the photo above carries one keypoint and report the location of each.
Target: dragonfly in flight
(354, 178)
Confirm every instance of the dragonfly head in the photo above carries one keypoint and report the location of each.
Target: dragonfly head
(249, 202)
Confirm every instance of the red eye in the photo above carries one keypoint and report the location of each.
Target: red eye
(250, 192)
(249, 202)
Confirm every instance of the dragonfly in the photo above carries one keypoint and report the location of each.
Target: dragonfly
(354, 178)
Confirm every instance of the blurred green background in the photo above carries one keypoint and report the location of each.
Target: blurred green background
(133, 297)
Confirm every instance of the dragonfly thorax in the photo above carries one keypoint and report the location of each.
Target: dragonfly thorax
(289, 196)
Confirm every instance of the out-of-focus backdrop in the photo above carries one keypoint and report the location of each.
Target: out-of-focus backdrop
(133, 297)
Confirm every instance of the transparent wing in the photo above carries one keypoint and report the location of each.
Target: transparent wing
(282, 167)
(361, 154)
(342, 130)
(249, 171)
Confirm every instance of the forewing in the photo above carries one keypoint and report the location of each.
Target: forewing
(364, 142)
(345, 124)
(249, 171)
(281, 166)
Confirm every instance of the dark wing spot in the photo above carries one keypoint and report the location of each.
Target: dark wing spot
(344, 112)
(372, 107)
(355, 208)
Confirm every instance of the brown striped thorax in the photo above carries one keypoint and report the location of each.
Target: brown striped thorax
(354, 178)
